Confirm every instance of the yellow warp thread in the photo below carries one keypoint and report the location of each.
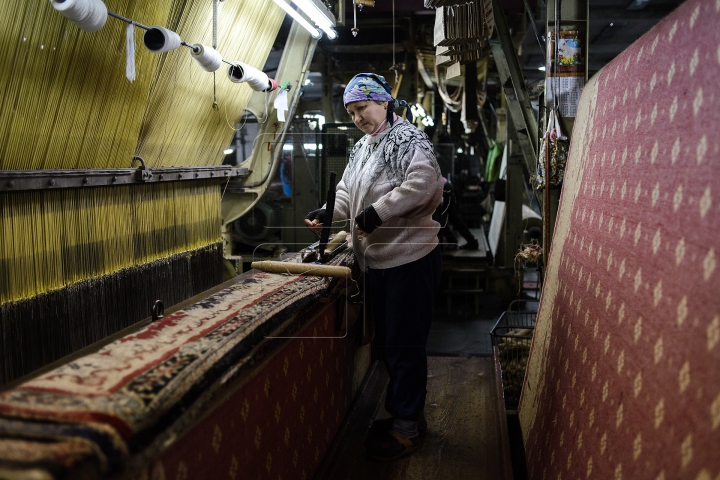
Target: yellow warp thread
(56, 238)
(68, 104)
(302, 269)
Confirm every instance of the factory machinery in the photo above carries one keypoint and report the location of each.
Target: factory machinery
(164, 312)
(112, 181)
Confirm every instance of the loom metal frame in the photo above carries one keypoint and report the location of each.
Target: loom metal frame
(22, 180)
(513, 84)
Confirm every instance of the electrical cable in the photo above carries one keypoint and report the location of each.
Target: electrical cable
(534, 27)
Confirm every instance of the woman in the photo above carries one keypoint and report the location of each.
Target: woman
(390, 188)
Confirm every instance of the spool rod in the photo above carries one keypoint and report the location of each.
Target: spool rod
(145, 27)
(124, 19)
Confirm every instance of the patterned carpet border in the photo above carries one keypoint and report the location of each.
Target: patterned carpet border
(121, 398)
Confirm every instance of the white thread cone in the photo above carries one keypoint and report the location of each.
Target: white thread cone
(207, 57)
(88, 15)
(241, 72)
(159, 39)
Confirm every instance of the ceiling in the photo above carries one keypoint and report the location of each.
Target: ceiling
(612, 28)
(394, 32)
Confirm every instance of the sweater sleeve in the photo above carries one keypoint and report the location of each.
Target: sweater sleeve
(420, 192)
(342, 201)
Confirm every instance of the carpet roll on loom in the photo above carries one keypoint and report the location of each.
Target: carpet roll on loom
(336, 241)
(302, 269)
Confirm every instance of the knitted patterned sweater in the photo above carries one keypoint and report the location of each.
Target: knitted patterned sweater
(395, 171)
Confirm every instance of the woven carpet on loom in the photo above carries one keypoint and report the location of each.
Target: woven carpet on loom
(623, 380)
(150, 386)
(279, 424)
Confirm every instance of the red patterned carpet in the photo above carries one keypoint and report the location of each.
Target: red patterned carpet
(623, 380)
(123, 405)
(280, 424)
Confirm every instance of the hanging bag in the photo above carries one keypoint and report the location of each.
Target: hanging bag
(553, 152)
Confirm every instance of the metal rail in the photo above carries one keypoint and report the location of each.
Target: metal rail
(21, 180)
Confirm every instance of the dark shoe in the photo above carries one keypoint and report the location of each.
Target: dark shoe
(471, 245)
(391, 446)
(384, 425)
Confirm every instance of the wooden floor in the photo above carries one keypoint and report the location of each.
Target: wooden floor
(463, 440)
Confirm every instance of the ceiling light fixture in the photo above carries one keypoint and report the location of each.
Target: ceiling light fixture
(318, 14)
(298, 18)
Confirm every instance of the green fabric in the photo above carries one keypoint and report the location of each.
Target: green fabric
(492, 165)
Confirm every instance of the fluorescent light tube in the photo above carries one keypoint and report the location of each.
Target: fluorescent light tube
(318, 15)
(298, 18)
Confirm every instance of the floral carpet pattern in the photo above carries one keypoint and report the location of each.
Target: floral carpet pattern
(109, 405)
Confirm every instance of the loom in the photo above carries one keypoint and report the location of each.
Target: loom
(115, 201)
(111, 201)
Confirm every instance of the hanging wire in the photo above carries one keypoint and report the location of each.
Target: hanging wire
(534, 27)
(393, 46)
(243, 118)
(556, 54)
(214, 34)
(450, 101)
(215, 23)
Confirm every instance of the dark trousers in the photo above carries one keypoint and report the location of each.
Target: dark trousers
(402, 300)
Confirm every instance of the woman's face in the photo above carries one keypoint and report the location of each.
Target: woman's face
(368, 115)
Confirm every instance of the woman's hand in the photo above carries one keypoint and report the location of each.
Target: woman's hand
(360, 231)
(314, 220)
(314, 225)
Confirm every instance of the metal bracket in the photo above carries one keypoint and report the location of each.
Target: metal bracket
(158, 310)
(143, 173)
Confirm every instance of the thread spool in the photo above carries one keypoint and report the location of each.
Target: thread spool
(88, 15)
(208, 58)
(159, 39)
(258, 81)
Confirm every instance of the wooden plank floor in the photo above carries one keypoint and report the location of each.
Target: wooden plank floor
(462, 440)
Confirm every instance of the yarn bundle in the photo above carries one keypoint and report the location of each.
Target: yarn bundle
(88, 15)
(208, 58)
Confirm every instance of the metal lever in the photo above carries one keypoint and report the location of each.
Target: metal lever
(327, 223)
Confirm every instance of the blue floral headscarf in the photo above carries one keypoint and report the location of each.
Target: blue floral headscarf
(371, 86)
